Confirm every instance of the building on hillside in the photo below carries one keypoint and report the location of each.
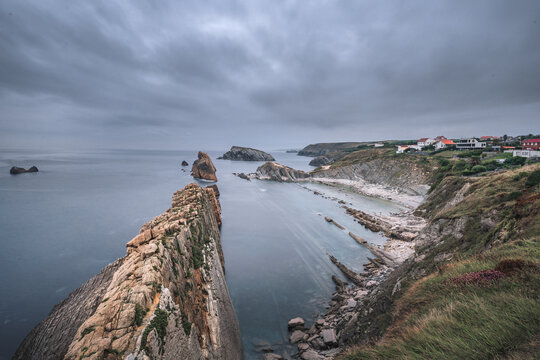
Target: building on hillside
(402, 148)
(471, 143)
(531, 144)
(440, 137)
(378, 145)
(444, 143)
(424, 142)
(527, 153)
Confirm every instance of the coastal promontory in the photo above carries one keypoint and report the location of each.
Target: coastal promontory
(165, 299)
(239, 153)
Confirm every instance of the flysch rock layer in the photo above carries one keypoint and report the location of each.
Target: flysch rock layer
(166, 299)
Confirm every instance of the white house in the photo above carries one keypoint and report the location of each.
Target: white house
(424, 142)
(441, 144)
(402, 148)
(472, 143)
(527, 153)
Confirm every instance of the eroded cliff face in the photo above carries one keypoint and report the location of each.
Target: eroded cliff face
(166, 299)
(403, 175)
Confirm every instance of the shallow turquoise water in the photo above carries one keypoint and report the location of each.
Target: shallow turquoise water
(60, 226)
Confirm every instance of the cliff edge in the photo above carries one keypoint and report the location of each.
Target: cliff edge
(166, 299)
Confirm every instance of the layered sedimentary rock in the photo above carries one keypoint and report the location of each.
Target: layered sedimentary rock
(276, 172)
(246, 154)
(166, 299)
(203, 168)
(18, 170)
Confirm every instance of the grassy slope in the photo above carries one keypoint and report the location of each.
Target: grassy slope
(433, 318)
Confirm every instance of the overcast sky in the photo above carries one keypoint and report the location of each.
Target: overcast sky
(273, 74)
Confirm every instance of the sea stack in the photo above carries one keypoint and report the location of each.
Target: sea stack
(239, 153)
(165, 299)
(17, 170)
(203, 168)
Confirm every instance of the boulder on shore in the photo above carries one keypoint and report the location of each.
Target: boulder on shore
(203, 168)
(17, 170)
(239, 153)
(296, 323)
(185, 163)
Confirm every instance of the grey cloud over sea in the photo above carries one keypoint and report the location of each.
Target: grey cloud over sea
(210, 74)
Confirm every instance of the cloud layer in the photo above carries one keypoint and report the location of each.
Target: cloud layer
(273, 74)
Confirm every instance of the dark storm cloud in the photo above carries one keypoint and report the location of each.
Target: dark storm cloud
(274, 73)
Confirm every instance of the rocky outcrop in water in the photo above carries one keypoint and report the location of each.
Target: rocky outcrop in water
(184, 163)
(18, 170)
(166, 299)
(276, 172)
(239, 153)
(203, 168)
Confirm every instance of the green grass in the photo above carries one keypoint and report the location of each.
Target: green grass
(439, 320)
(159, 323)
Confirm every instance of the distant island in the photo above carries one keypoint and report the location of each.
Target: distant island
(239, 153)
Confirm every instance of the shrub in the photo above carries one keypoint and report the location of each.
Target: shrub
(478, 169)
(516, 160)
(513, 195)
(159, 322)
(139, 315)
(533, 179)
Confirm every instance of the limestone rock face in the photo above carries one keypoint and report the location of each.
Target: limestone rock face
(246, 154)
(278, 172)
(203, 168)
(166, 299)
(17, 170)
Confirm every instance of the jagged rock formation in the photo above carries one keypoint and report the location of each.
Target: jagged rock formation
(325, 148)
(203, 168)
(166, 299)
(184, 163)
(17, 170)
(276, 172)
(246, 154)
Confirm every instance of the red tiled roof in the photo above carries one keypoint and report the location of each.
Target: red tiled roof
(448, 142)
(531, 140)
(508, 147)
(423, 139)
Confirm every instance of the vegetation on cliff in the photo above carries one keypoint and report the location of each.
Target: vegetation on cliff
(473, 289)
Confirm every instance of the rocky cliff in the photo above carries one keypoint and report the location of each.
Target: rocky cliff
(239, 153)
(166, 299)
(203, 168)
(325, 148)
(407, 176)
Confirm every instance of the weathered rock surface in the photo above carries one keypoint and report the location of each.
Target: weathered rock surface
(296, 323)
(185, 163)
(18, 170)
(203, 168)
(239, 153)
(276, 172)
(166, 299)
(327, 159)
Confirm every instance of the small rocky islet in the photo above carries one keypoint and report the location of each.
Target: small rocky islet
(19, 170)
(239, 153)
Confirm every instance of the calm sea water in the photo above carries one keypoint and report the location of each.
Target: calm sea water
(60, 226)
